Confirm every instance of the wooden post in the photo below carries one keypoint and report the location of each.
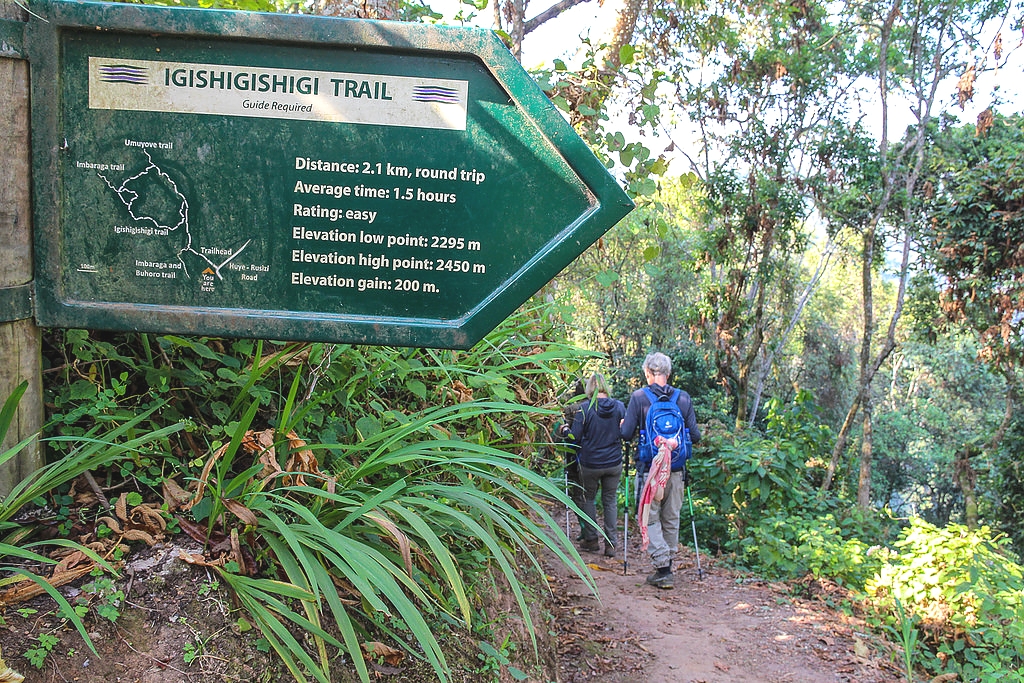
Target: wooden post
(20, 341)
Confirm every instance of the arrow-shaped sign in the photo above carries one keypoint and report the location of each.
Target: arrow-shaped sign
(294, 177)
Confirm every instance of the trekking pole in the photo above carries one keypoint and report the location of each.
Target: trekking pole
(625, 528)
(693, 524)
(565, 472)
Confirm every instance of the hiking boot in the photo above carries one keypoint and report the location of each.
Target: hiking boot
(661, 578)
(590, 544)
(609, 550)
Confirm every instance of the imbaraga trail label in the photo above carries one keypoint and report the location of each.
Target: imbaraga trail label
(202, 172)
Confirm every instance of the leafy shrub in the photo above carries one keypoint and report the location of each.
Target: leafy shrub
(749, 478)
(790, 546)
(965, 591)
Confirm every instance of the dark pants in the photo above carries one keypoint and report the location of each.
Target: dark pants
(607, 481)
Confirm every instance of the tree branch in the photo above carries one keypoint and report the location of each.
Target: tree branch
(549, 13)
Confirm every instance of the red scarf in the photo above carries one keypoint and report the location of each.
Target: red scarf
(654, 486)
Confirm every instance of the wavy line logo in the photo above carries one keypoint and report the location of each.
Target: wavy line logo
(123, 73)
(435, 93)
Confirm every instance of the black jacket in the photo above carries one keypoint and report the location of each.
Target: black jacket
(595, 429)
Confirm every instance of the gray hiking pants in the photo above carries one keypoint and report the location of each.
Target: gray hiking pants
(663, 522)
(607, 480)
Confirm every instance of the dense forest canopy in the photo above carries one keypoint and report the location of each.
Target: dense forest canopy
(818, 216)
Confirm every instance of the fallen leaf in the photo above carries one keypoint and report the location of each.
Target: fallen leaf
(390, 655)
(9, 675)
(175, 496)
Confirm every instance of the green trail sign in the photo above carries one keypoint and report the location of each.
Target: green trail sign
(294, 177)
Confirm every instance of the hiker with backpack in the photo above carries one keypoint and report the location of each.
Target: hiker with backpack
(595, 431)
(665, 419)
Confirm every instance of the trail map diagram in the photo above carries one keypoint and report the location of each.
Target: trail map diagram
(152, 197)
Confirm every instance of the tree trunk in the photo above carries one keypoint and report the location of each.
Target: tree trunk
(867, 443)
(742, 386)
(766, 365)
(966, 478)
(627, 14)
(20, 342)
(868, 291)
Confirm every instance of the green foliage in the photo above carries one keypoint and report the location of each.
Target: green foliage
(1007, 489)
(972, 203)
(753, 477)
(965, 592)
(907, 632)
(410, 517)
(105, 597)
(584, 94)
(793, 545)
(37, 654)
(363, 490)
(102, 446)
(779, 524)
(633, 290)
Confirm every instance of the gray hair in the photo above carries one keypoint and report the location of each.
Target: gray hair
(596, 384)
(658, 364)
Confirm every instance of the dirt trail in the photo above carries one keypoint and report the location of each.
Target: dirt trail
(718, 629)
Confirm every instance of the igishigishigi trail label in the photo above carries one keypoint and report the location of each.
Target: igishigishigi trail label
(291, 177)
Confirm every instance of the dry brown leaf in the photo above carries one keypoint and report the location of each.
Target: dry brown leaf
(331, 485)
(205, 476)
(138, 535)
(21, 591)
(463, 392)
(70, 561)
(944, 678)
(121, 507)
(199, 559)
(390, 655)
(85, 498)
(243, 513)
(270, 467)
(301, 459)
(174, 496)
(396, 534)
(150, 517)
(110, 522)
(9, 675)
(236, 552)
(265, 439)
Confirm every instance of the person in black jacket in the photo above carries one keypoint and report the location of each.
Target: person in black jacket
(663, 522)
(595, 430)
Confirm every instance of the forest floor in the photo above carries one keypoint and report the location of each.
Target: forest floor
(175, 626)
(714, 626)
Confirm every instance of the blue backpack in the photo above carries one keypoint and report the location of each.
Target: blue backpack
(664, 419)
